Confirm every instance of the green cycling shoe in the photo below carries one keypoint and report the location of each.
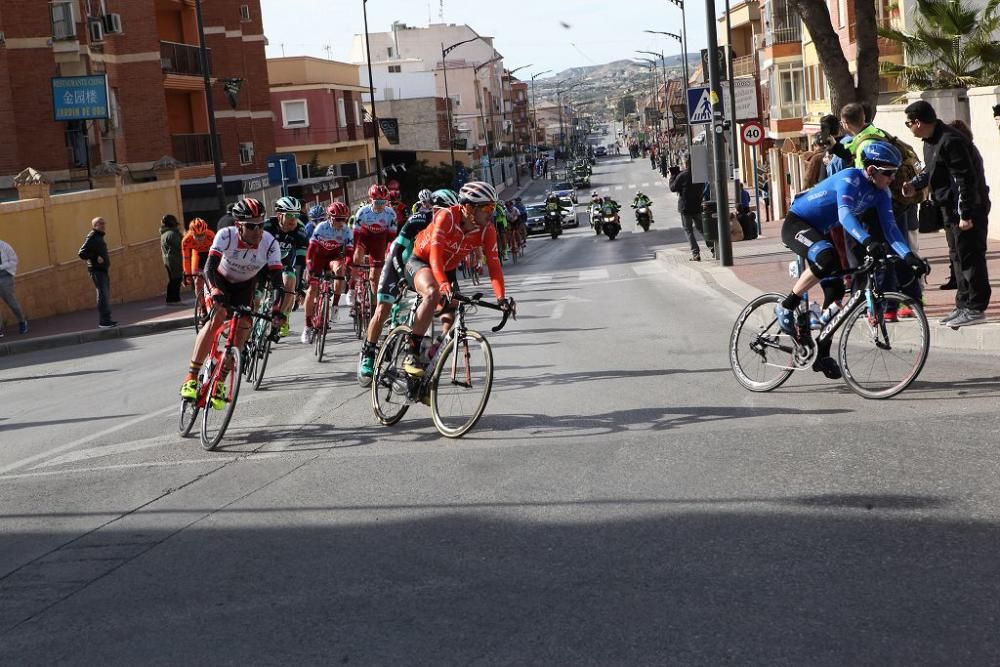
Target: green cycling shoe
(218, 401)
(189, 390)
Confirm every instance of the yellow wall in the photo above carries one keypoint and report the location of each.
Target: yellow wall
(142, 206)
(22, 225)
(71, 215)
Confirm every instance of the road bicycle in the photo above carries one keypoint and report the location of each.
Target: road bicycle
(322, 313)
(878, 358)
(459, 378)
(224, 365)
(472, 267)
(257, 351)
(201, 307)
(364, 298)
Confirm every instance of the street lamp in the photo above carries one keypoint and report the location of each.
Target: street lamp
(663, 66)
(371, 93)
(682, 39)
(510, 76)
(482, 102)
(444, 69)
(562, 132)
(534, 113)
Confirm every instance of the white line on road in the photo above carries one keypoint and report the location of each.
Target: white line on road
(619, 187)
(645, 185)
(107, 450)
(631, 185)
(558, 311)
(594, 274)
(535, 280)
(82, 441)
(648, 268)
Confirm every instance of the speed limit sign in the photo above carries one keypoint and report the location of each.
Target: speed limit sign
(752, 132)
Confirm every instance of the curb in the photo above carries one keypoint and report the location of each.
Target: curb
(979, 338)
(92, 335)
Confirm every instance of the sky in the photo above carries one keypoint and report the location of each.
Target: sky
(526, 32)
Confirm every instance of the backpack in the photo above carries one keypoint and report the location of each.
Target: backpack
(910, 167)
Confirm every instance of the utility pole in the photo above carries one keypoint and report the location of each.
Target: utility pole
(213, 139)
(371, 93)
(724, 243)
(735, 140)
(444, 69)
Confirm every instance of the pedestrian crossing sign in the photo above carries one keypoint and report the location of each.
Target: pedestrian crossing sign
(699, 106)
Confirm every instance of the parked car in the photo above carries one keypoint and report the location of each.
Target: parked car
(601, 151)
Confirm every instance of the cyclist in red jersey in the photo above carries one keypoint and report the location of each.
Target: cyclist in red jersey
(439, 249)
(195, 245)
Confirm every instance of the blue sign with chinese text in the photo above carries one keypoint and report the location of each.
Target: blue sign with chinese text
(80, 97)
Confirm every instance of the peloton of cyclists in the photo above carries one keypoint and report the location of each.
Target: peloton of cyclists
(287, 229)
(330, 250)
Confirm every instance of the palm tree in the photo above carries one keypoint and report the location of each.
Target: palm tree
(951, 46)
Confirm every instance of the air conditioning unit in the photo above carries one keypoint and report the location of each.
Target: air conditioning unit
(113, 24)
(96, 31)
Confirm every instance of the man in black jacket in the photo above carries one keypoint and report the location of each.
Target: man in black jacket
(95, 252)
(689, 200)
(953, 168)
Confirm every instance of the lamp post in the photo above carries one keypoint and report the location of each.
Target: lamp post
(663, 66)
(371, 94)
(562, 131)
(444, 69)
(510, 76)
(724, 244)
(682, 39)
(652, 81)
(213, 142)
(482, 103)
(534, 113)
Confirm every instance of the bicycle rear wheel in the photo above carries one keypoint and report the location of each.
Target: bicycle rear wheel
(200, 313)
(760, 354)
(460, 387)
(390, 383)
(320, 331)
(263, 354)
(215, 422)
(879, 359)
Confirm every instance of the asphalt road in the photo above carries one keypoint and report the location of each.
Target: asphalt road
(623, 500)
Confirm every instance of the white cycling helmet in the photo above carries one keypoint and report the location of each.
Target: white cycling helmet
(287, 205)
(425, 196)
(477, 192)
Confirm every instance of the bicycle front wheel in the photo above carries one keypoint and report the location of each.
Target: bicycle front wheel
(189, 415)
(879, 359)
(390, 383)
(215, 422)
(320, 331)
(760, 353)
(263, 353)
(460, 387)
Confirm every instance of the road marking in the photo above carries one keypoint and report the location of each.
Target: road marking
(107, 450)
(257, 456)
(631, 185)
(535, 280)
(303, 416)
(619, 187)
(648, 268)
(558, 311)
(645, 185)
(82, 441)
(594, 274)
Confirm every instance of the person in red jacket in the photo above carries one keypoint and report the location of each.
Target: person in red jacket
(455, 232)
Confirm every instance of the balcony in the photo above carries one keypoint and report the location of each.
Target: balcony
(184, 59)
(886, 47)
(744, 66)
(192, 148)
(782, 29)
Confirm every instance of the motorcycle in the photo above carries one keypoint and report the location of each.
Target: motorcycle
(643, 217)
(611, 226)
(553, 223)
(596, 219)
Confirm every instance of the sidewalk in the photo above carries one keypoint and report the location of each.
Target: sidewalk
(138, 318)
(761, 265)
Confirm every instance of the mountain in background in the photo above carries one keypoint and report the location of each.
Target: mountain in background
(620, 67)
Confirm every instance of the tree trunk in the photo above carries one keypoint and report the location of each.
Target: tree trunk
(816, 15)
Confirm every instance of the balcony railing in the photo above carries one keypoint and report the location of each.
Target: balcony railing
(193, 148)
(782, 30)
(886, 47)
(743, 66)
(182, 59)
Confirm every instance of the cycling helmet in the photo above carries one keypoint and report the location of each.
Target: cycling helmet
(425, 196)
(881, 154)
(316, 213)
(198, 227)
(444, 198)
(338, 209)
(378, 191)
(394, 195)
(477, 192)
(248, 209)
(287, 205)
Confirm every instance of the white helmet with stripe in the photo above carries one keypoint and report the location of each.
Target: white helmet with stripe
(477, 192)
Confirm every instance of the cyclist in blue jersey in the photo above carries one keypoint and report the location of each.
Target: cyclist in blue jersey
(840, 200)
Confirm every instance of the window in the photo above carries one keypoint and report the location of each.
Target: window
(341, 112)
(456, 100)
(246, 152)
(357, 113)
(391, 53)
(786, 91)
(294, 113)
(244, 13)
(842, 13)
(63, 19)
(395, 69)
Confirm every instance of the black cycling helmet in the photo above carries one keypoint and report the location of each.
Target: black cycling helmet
(248, 209)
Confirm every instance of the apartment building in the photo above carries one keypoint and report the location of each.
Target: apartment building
(155, 97)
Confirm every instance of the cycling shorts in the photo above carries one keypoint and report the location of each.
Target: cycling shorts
(320, 263)
(415, 264)
(237, 294)
(799, 235)
(371, 243)
(388, 283)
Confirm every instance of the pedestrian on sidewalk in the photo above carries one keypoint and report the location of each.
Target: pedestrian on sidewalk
(170, 249)
(8, 269)
(953, 169)
(689, 198)
(95, 252)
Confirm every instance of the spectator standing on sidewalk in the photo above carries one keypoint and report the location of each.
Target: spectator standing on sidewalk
(170, 249)
(95, 253)
(953, 169)
(689, 198)
(8, 269)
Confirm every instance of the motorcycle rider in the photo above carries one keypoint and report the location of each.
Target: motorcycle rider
(642, 201)
(610, 207)
(552, 204)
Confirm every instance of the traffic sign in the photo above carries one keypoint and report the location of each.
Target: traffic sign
(752, 132)
(699, 106)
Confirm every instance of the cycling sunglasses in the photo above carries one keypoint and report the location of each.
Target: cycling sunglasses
(338, 219)
(886, 171)
(380, 202)
(487, 207)
(252, 225)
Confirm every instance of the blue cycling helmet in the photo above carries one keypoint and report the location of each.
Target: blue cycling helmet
(880, 154)
(444, 198)
(317, 213)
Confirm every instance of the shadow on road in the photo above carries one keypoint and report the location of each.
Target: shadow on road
(58, 422)
(43, 376)
(507, 383)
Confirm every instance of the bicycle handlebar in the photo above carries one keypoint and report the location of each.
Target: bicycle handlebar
(476, 300)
